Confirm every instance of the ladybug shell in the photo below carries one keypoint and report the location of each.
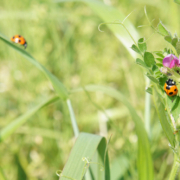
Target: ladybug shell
(171, 90)
(19, 39)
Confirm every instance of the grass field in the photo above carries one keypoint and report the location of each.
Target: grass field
(64, 37)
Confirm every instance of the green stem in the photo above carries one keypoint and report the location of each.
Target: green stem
(73, 119)
(147, 108)
(175, 168)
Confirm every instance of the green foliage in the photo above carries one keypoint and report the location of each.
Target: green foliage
(144, 160)
(18, 122)
(58, 86)
(142, 45)
(149, 59)
(177, 1)
(135, 48)
(162, 29)
(141, 63)
(178, 47)
(81, 158)
(165, 123)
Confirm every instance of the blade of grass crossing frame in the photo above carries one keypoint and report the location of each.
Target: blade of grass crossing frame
(16, 123)
(145, 167)
(110, 14)
(163, 117)
(58, 86)
(2, 175)
(82, 152)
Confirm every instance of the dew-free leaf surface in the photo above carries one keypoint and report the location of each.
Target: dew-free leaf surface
(85, 147)
(58, 86)
(144, 161)
(16, 123)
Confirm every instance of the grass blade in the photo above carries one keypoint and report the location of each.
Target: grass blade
(163, 117)
(58, 86)
(110, 14)
(145, 167)
(73, 119)
(84, 148)
(15, 124)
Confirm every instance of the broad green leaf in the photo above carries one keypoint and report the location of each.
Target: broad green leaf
(162, 29)
(135, 48)
(84, 148)
(149, 59)
(16, 123)
(145, 167)
(178, 47)
(152, 78)
(141, 63)
(149, 90)
(177, 1)
(111, 14)
(58, 86)
(163, 117)
(142, 46)
(168, 38)
(174, 42)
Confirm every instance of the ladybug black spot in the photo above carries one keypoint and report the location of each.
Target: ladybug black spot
(167, 87)
(19, 40)
(19, 36)
(175, 90)
(13, 37)
(170, 93)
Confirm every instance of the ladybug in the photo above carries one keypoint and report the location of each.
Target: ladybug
(20, 40)
(170, 88)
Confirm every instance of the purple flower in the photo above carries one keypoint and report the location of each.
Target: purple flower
(171, 61)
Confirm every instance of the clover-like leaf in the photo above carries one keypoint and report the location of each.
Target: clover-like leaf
(149, 59)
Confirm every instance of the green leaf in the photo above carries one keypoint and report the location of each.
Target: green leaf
(149, 90)
(174, 42)
(152, 78)
(162, 29)
(163, 117)
(174, 106)
(168, 38)
(110, 14)
(177, 1)
(160, 60)
(142, 46)
(149, 59)
(135, 48)
(85, 147)
(58, 86)
(159, 54)
(178, 47)
(145, 167)
(141, 63)
(18, 122)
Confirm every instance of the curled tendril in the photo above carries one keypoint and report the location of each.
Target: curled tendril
(59, 173)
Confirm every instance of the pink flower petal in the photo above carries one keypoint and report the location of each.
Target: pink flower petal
(170, 61)
(174, 63)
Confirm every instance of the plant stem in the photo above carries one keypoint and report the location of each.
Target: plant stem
(175, 168)
(147, 109)
(73, 119)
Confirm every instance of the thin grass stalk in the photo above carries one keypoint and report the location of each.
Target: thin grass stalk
(73, 118)
(147, 115)
(175, 168)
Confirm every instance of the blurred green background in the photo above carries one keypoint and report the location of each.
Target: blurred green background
(65, 39)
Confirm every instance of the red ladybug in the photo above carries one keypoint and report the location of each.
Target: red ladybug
(170, 88)
(20, 40)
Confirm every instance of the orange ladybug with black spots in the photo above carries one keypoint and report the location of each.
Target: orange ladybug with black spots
(19, 40)
(170, 88)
